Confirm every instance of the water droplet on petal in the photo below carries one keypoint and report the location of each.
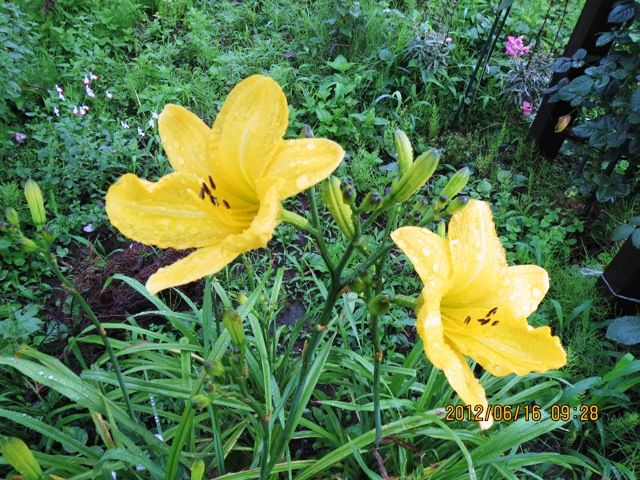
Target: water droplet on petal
(425, 251)
(311, 146)
(436, 267)
(536, 293)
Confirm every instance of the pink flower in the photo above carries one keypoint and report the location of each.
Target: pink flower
(86, 81)
(93, 77)
(59, 89)
(515, 47)
(108, 94)
(526, 108)
(90, 93)
(448, 40)
(83, 110)
(19, 137)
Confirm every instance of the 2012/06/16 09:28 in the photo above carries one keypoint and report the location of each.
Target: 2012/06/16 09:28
(529, 412)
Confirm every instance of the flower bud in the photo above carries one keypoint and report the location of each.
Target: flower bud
(242, 299)
(340, 210)
(233, 323)
(200, 402)
(214, 368)
(197, 469)
(379, 305)
(415, 177)
(441, 229)
(12, 217)
(36, 203)
(403, 150)
(48, 236)
(456, 183)
(370, 202)
(439, 202)
(28, 245)
(458, 203)
(306, 131)
(18, 455)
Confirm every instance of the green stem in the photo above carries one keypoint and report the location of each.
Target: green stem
(249, 269)
(405, 301)
(215, 423)
(377, 351)
(51, 261)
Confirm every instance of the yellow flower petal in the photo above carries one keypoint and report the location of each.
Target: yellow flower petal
(303, 163)
(210, 260)
(202, 262)
(429, 254)
(185, 139)
(442, 355)
(169, 213)
(478, 258)
(247, 133)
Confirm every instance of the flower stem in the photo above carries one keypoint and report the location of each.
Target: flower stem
(51, 261)
(249, 269)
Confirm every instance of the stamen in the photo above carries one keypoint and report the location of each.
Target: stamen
(484, 321)
(214, 200)
(467, 320)
(212, 183)
(492, 311)
(201, 193)
(206, 189)
(226, 204)
(495, 323)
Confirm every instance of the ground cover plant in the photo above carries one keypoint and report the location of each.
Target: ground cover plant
(271, 239)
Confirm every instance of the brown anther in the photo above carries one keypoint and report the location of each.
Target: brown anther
(206, 189)
(226, 204)
(212, 183)
(214, 200)
(492, 311)
(484, 321)
(495, 323)
(467, 320)
(201, 193)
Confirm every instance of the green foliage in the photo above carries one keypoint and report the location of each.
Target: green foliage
(608, 92)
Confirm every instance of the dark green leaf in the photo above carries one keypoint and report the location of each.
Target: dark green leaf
(635, 101)
(562, 65)
(605, 38)
(635, 238)
(622, 232)
(625, 330)
(621, 12)
(580, 54)
(635, 220)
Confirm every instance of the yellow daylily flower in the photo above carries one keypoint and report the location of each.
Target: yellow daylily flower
(473, 304)
(224, 196)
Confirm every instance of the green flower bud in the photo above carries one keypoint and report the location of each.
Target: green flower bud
(28, 245)
(403, 150)
(340, 210)
(379, 305)
(370, 202)
(242, 299)
(441, 229)
(48, 236)
(458, 203)
(200, 402)
(456, 183)
(415, 177)
(233, 323)
(36, 203)
(439, 202)
(197, 470)
(12, 217)
(214, 368)
(18, 455)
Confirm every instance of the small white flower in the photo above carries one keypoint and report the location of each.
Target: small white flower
(108, 94)
(61, 96)
(19, 137)
(140, 132)
(88, 228)
(56, 112)
(154, 115)
(83, 110)
(93, 77)
(75, 110)
(59, 89)
(152, 120)
(86, 81)
(124, 124)
(90, 93)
